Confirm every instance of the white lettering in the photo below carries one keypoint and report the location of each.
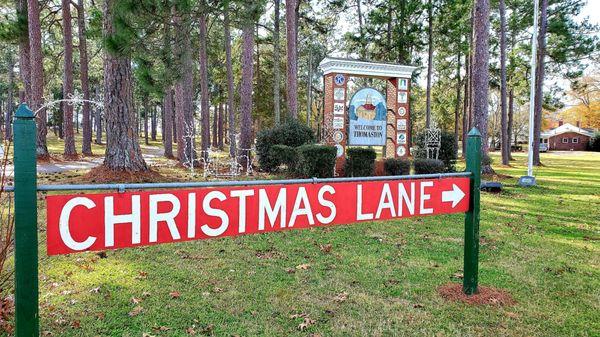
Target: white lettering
(408, 201)
(264, 206)
(242, 194)
(214, 212)
(168, 217)
(111, 219)
(425, 197)
(359, 214)
(63, 224)
(301, 200)
(191, 213)
(326, 203)
(385, 201)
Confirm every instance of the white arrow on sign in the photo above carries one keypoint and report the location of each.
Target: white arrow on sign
(455, 195)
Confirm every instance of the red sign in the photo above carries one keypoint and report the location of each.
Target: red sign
(87, 222)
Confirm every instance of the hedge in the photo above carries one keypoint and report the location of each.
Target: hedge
(291, 133)
(428, 166)
(360, 162)
(284, 155)
(396, 166)
(315, 161)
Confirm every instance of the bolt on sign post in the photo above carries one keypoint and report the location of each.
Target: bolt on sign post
(26, 240)
(146, 215)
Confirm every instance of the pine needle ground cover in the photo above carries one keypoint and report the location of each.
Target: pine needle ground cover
(541, 245)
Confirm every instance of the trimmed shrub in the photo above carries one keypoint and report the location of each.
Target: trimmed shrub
(447, 150)
(291, 133)
(284, 155)
(396, 166)
(594, 144)
(360, 162)
(315, 160)
(428, 166)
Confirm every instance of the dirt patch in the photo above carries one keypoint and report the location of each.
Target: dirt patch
(102, 174)
(484, 296)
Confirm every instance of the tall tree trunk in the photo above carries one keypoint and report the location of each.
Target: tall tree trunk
(153, 122)
(465, 116)
(220, 126)
(230, 92)
(505, 146)
(86, 145)
(70, 150)
(215, 133)
(184, 92)
(292, 58)
(24, 54)
(204, 104)
(123, 152)
(276, 58)
(363, 49)
(246, 92)
(36, 61)
(309, 89)
(539, 82)
(481, 74)
(146, 112)
(9, 102)
(509, 128)
(167, 116)
(98, 119)
(429, 63)
(457, 107)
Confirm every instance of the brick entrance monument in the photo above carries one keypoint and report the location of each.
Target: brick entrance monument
(336, 72)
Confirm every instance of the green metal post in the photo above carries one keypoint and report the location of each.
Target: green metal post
(26, 240)
(471, 258)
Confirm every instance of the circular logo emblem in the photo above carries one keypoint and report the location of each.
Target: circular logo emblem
(402, 111)
(401, 151)
(339, 79)
(340, 150)
(338, 136)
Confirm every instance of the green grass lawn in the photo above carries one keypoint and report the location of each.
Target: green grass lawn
(379, 279)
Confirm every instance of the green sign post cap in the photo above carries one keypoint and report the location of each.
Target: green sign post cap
(23, 111)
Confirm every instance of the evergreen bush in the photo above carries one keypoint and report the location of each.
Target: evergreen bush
(428, 166)
(396, 166)
(315, 160)
(291, 133)
(284, 155)
(360, 162)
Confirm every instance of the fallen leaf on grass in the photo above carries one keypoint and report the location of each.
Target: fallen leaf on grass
(76, 324)
(304, 266)
(458, 275)
(136, 311)
(218, 290)
(142, 275)
(100, 315)
(174, 294)
(147, 335)
(341, 297)
(326, 248)
(307, 323)
(190, 331)
(95, 290)
(136, 300)
(161, 328)
(145, 294)
(418, 305)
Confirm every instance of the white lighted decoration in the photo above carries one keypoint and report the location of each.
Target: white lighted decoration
(338, 108)
(402, 97)
(401, 124)
(340, 150)
(401, 111)
(338, 136)
(339, 94)
(401, 151)
(338, 122)
(339, 79)
(403, 84)
(401, 138)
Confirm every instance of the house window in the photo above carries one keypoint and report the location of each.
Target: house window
(565, 140)
(575, 140)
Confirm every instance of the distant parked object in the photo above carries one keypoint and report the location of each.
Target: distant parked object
(566, 137)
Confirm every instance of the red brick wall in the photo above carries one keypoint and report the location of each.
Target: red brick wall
(555, 142)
